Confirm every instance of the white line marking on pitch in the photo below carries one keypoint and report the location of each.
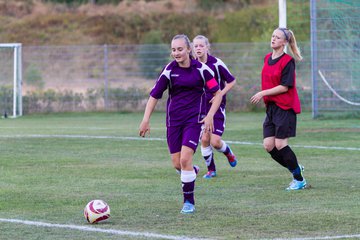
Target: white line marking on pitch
(321, 238)
(162, 139)
(100, 230)
(146, 234)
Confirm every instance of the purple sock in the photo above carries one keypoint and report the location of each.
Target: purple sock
(211, 166)
(227, 151)
(196, 169)
(188, 191)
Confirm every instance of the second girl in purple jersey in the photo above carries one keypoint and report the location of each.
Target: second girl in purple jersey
(186, 80)
(226, 81)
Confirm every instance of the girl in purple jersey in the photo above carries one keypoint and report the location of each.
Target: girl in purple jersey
(185, 79)
(278, 83)
(226, 80)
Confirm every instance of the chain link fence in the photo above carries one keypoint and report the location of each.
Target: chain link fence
(120, 77)
(335, 42)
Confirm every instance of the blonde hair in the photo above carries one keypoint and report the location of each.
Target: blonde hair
(207, 43)
(206, 40)
(187, 42)
(290, 38)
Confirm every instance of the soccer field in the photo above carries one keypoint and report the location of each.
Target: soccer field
(52, 165)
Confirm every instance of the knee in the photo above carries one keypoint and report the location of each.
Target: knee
(268, 146)
(280, 145)
(185, 163)
(205, 139)
(176, 163)
(269, 143)
(216, 143)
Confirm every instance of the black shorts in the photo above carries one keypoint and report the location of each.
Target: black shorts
(279, 123)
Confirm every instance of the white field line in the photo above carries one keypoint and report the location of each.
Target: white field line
(99, 230)
(322, 238)
(162, 139)
(145, 234)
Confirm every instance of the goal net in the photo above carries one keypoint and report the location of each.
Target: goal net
(335, 42)
(10, 80)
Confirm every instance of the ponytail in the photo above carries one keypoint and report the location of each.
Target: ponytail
(290, 38)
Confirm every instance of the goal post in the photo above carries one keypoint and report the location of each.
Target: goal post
(335, 56)
(330, 74)
(282, 14)
(11, 59)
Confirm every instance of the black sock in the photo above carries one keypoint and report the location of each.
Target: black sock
(290, 159)
(277, 157)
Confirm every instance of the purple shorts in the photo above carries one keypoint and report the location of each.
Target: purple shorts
(219, 126)
(183, 135)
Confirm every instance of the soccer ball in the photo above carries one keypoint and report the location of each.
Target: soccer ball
(96, 211)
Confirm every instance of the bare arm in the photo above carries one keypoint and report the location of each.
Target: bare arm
(228, 86)
(268, 92)
(226, 89)
(145, 123)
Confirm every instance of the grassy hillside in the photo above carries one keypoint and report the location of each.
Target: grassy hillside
(34, 22)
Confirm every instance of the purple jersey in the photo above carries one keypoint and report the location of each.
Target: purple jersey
(222, 76)
(186, 101)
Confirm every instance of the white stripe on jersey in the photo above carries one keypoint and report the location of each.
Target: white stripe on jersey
(166, 73)
(224, 114)
(203, 68)
(218, 63)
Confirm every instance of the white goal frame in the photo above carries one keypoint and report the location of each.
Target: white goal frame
(17, 77)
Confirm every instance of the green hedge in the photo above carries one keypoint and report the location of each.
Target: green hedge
(117, 99)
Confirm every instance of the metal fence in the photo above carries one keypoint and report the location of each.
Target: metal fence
(335, 42)
(119, 77)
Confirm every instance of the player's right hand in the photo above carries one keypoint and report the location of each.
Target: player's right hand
(144, 128)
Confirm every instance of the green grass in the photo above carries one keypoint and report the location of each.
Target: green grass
(50, 179)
